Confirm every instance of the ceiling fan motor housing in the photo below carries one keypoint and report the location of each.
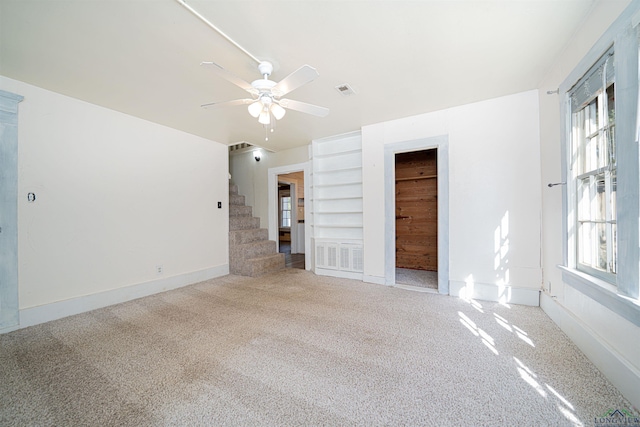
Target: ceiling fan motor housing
(265, 68)
(263, 85)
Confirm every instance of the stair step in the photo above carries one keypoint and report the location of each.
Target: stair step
(240, 237)
(243, 222)
(236, 199)
(253, 249)
(236, 210)
(238, 255)
(255, 267)
(250, 251)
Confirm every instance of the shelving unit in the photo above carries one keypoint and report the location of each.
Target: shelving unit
(336, 202)
(339, 184)
(351, 168)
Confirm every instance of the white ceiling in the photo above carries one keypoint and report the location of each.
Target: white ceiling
(401, 57)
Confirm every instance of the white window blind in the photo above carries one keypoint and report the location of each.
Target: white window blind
(593, 82)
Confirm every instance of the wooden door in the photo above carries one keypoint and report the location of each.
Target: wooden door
(417, 210)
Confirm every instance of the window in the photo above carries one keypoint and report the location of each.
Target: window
(285, 212)
(602, 198)
(593, 170)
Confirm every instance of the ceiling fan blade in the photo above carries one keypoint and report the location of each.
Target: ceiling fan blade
(228, 76)
(303, 107)
(228, 103)
(301, 76)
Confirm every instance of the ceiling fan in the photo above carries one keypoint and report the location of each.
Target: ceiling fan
(266, 100)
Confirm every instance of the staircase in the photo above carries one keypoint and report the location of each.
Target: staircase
(250, 251)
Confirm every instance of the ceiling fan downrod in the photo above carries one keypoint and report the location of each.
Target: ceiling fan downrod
(218, 30)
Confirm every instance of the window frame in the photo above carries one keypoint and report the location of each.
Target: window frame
(582, 170)
(622, 296)
(283, 210)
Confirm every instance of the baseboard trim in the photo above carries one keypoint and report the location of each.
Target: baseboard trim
(338, 273)
(57, 310)
(374, 279)
(504, 294)
(616, 368)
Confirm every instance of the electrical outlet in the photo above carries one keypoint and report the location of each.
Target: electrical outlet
(159, 269)
(219, 205)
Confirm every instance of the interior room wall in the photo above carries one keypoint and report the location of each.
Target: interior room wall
(494, 192)
(609, 340)
(595, 25)
(120, 203)
(251, 176)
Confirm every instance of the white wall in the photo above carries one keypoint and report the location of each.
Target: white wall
(494, 188)
(116, 197)
(609, 340)
(550, 145)
(251, 176)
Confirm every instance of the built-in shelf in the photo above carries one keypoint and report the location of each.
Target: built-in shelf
(337, 198)
(337, 153)
(324, 212)
(340, 184)
(338, 225)
(351, 168)
(338, 213)
(320, 199)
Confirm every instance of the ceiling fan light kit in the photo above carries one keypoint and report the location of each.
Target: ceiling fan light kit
(277, 111)
(255, 108)
(265, 117)
(267, 101)
(266, 94)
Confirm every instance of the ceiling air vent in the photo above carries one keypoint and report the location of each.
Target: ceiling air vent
(345, 89)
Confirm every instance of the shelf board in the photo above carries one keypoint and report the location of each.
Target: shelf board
(336, 154)
(320, 199)
(342, 184)
(336, 212)
(358, 226)
(415, 178)
(350, 168)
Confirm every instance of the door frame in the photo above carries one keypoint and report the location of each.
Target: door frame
(272, 189)
(441, 144)
(9, 285)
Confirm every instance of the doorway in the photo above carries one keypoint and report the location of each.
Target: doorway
(290, 217)
(416, 218)
(302, 239)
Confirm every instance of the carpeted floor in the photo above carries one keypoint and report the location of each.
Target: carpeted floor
(294, 349)
(419, 278)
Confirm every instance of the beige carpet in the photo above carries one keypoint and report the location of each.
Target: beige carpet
(294, 349)
(419, 278)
